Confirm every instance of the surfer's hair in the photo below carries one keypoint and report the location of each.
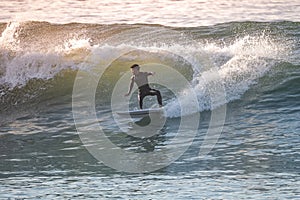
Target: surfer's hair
(134, 66)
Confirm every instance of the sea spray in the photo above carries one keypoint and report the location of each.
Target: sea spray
(233, 69)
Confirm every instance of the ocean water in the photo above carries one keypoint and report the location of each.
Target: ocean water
(228, 72)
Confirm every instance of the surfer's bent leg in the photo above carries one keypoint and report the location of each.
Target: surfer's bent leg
(146, 91)
(143, 91)
(158, 95)
(141, 96)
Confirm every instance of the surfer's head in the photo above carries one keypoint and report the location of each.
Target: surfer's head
(135, 69)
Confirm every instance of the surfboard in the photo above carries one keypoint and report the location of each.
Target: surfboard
(140, 113)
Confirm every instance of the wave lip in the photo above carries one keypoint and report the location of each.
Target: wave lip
(239, 61)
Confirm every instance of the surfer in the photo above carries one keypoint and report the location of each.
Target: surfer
(141, 80)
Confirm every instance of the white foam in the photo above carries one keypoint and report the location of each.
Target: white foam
(9, 37)
(230, 69)
(20, 66)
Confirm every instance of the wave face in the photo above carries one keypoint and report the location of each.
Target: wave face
(39, 60)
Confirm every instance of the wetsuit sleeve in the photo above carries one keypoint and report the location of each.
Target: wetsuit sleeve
(149, 73)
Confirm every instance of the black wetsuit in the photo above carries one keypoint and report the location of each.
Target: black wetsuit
(144, 89)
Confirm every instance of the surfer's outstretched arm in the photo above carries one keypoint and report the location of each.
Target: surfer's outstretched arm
(151, 73)
(130, 86)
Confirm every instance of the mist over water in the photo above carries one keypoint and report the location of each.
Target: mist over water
(245, 60)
